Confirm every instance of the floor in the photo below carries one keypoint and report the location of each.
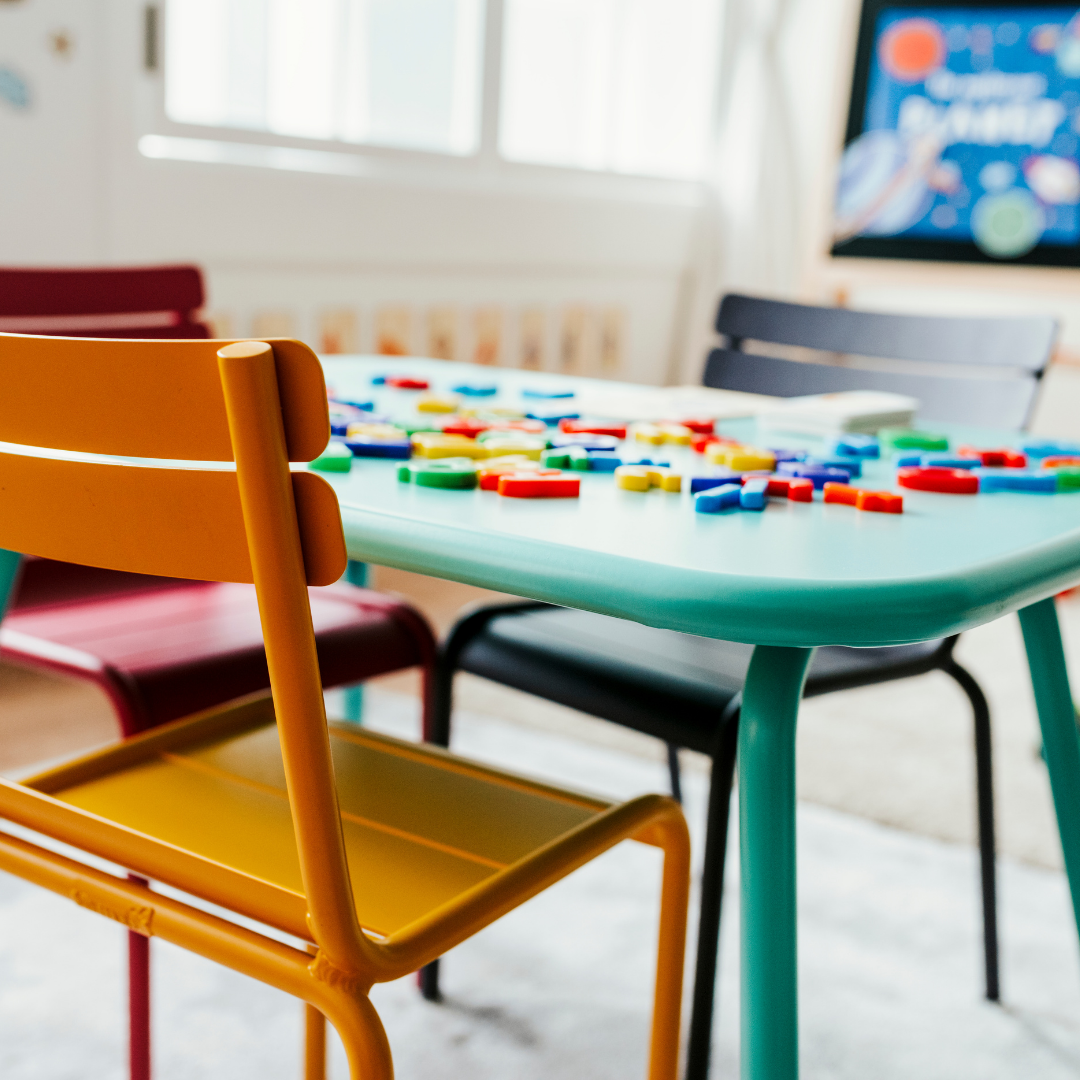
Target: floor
(888, 932)
(889, 950)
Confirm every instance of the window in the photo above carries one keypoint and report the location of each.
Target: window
(622, 86)
(402, 73)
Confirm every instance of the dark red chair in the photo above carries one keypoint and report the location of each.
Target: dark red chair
(163, 648)
(113, 302)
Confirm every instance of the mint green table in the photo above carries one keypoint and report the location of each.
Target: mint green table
(786, 580)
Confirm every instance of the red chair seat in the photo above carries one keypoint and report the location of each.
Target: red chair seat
(44, 582)
(166, 653)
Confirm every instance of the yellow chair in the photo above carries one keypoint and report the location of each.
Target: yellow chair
(379, 853)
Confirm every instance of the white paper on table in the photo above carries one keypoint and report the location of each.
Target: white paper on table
(669, 403)
(862, 411)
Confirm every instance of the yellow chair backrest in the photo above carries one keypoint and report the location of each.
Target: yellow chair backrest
(148, 399)
(260, 405)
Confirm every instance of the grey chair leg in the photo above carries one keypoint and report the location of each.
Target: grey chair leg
(984, 787)
(712, 894)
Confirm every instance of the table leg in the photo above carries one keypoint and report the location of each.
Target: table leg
(1057, 717)
(9, 573)
(356, 573)
(770, 1019)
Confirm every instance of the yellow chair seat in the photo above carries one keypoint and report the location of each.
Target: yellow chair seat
(420, 826)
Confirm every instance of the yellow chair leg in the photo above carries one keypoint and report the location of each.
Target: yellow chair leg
(314, 1044)
(366, 1046)
(671, 947)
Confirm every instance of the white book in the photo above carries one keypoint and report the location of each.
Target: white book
(861, 411)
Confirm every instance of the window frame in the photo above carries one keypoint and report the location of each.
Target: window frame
(484, 168)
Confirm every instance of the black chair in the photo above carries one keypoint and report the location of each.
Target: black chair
(686, 690)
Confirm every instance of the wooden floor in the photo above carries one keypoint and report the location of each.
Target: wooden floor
(900, 755)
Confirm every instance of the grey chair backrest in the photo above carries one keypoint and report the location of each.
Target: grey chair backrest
(1007, 356)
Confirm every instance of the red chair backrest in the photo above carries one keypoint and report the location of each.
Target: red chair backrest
(110, 302)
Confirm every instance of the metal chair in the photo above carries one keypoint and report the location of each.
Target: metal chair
(161, 647)
(686, 690)
(377, 853)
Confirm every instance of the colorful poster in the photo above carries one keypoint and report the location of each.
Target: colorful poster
(533, 339)
(393, 331)
(273, 323)
(612, 340)
(339, 331)
(442, 327)
(574, 342)
(488, 344)
(970, 130)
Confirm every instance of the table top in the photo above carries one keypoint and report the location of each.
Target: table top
(795, 574)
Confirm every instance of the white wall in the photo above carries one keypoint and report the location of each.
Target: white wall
(52, 165)
(74, 188)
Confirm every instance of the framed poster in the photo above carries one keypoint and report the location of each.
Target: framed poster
(963, 134)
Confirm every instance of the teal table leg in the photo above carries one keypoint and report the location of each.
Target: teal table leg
(1057, 717)
(9, 573)
(770, 1016)
(356, 573)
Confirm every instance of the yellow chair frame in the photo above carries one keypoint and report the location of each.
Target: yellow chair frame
(465, 843)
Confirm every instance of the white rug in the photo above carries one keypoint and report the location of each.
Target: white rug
(889, 947)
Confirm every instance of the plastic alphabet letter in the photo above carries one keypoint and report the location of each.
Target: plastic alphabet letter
(716, 499)
(539, 486)
(753, 492)
(948, 481)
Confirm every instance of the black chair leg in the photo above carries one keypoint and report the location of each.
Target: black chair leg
(428, 980)
(674, 772)
(442, 701)
(712, 895)
(984, 788)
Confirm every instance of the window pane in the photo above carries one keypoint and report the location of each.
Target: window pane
(196, 69)
(625, 85)
(301, 68)
(394, 72)
(425, 72)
